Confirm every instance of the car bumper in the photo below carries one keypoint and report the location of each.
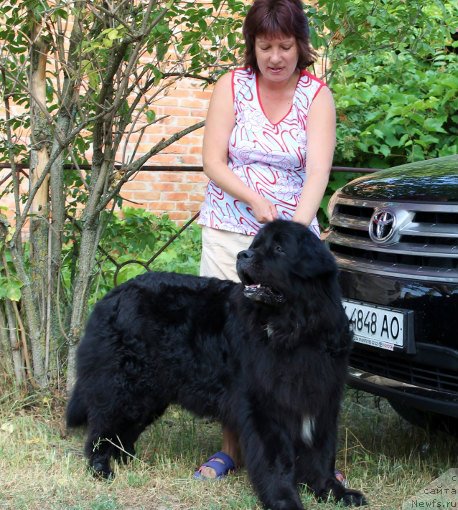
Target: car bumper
(426, 399)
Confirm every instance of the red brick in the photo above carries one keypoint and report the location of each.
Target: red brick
(171, 176)
(192, 160)
(165, 206)
(200, 112)
(180, 216)
(185, 186)
(148, 196)
(196, 177)
(203, 94)
(193, 103)
(177, 111)
(167, 101)
(175, 196)
(144, 176)
(135, 185)
(175, 149)
(196, 149)
(163, 159)
(186, 206)
(182, 92)
(164, 186)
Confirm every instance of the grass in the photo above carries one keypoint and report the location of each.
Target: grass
(41, 466)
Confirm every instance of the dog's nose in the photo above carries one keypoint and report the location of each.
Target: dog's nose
(245, 254)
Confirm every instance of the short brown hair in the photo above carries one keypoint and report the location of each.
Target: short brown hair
(278, 17)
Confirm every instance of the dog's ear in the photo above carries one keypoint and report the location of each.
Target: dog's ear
(315, 259)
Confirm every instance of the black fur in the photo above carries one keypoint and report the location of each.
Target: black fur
(273, 370)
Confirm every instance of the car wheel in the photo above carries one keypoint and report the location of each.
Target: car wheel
(424, 419)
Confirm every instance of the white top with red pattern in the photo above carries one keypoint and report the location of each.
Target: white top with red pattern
(269, 158)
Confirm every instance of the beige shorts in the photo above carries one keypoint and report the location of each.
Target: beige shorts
(219, 252)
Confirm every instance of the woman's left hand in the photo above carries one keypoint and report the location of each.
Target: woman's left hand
(263, 209)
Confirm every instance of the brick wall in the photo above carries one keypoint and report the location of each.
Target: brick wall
(177, 193)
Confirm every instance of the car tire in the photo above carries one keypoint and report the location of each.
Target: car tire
(426, 420)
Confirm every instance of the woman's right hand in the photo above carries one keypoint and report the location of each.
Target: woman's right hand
(263, 209)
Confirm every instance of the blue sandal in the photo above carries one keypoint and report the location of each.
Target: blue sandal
(220, 462)
(225, 465)
(340, 477)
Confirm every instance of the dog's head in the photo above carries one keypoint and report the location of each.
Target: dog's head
(281, 257)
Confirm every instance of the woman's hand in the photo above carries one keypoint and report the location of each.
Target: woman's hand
(263, 209)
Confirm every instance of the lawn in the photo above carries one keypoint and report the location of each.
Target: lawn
(41, 465)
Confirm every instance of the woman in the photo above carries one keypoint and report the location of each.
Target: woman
(268, 147)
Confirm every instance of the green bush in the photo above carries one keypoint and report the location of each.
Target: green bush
(392, 66)
(133, 237)
(395, 109)
(130, 241)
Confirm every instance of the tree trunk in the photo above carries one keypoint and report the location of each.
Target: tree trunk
(70, 90)
(39, 157)
(55, 306)
(89, 242)
(8, 324)
(90, 236)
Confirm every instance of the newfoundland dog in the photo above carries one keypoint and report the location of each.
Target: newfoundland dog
(266, 357)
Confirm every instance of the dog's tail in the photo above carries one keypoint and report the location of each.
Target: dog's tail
(76, 414)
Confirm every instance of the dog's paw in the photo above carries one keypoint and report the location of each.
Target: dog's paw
(101, 471)
(353, 498)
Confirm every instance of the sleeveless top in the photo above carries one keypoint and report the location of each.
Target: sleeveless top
(269, 158)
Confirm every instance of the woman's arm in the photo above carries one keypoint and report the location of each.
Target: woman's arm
(218, 128)
(321, 142)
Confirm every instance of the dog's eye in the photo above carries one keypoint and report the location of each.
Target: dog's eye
(278, 248)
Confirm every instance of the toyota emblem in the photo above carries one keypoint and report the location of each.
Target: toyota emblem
(382, 226)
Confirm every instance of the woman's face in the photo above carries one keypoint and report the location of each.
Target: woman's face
(276, 57)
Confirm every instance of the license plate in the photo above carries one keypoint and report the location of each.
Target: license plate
(384, 328)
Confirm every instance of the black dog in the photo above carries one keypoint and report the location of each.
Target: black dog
(267, 358)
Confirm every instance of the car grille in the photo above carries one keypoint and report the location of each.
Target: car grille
(406, 371)
(424, 245)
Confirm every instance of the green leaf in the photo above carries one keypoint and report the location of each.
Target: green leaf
(60, 13)
(435, 124)
(385, 150)
(13, 293)
(10, 288)
(113, 34)
(202, 25)
(150, 116)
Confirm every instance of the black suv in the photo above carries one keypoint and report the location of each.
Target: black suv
(395, 236)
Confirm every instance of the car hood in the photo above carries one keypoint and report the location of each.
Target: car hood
(433, 180)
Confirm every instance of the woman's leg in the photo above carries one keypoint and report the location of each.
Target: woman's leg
(219, 255)
(231, 448)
